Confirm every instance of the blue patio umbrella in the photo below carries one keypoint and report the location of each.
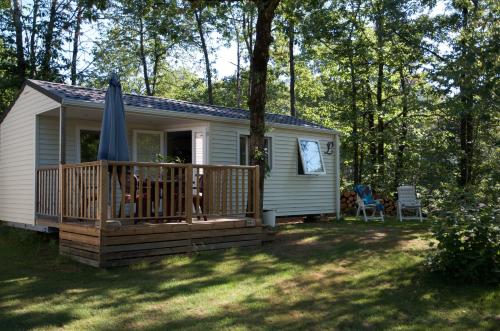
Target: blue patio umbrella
(113, 145)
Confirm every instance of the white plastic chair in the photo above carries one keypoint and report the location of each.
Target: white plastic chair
(407, 199)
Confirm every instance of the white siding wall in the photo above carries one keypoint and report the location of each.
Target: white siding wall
(17, 156)
(285, 190)
(48, 140)
(223, 143)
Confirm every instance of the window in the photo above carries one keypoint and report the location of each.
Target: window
(244, 150)
(89, 145)
(147, 144)
(245, 147)
(311, 160)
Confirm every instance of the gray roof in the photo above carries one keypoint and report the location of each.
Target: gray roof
(62, 92)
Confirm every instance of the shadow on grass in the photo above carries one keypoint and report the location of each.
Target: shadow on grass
(347, 275)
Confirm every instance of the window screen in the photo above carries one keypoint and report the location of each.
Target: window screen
(310, 157)
(89, 145)
(148, 144)
(243, 150)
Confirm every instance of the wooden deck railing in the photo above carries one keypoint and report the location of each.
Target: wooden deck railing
(82, 191)
(225, 190)
(138, 191)
(149, 191)
(47, 188)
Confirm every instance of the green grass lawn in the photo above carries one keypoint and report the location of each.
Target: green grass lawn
(348, 276)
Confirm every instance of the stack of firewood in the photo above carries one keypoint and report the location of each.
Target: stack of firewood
(389, 206)
(348, 203)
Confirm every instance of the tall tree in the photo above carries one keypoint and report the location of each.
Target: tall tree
(380, 62)
(258, 79)
(16, 16)
(248, 18)
(291, 57)
(142, 54)
(404, 128)
(198, 12)
(351, 53)
(237, 38)
(34, 30)
(290, 18)
(138, 40)
(466, 130)
(84, 10)
(46, 70)
(76, 41)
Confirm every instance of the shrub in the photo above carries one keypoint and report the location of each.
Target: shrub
(468, 246)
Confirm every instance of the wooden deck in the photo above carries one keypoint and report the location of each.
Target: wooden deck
(118, 213)
(124, 245)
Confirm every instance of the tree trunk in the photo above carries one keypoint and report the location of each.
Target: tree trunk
(404, 131)
(466, 145)
(291, 42)
(258, 81)
(36, 7)
(362, 153)
(199, 23)
(142, 55)
(354, 110)
(371, 127)
(466, 130)
(248, 33)
(238, 70)
(158, 54)
(16, 16)
(46, 72)
(76, 42)
(380, 110)
(237, 31)
(248, 30)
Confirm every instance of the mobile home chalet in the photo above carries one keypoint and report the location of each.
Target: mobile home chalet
(54, 127)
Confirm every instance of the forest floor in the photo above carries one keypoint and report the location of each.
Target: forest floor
(345, 275)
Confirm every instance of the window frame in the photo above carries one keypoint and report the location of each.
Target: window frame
(270, 140)
(134, 145)
(301, 157)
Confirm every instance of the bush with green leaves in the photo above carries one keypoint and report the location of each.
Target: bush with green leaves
(468, 246)
(160, 158)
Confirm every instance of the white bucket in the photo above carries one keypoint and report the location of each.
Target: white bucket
(269, 217)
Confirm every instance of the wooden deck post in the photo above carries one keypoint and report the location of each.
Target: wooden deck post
(188, 204)
(62, 193)
(103, 194)
(62, 135)
(256, 191)
(62, 160)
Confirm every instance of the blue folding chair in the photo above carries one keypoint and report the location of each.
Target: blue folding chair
(365, 202)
